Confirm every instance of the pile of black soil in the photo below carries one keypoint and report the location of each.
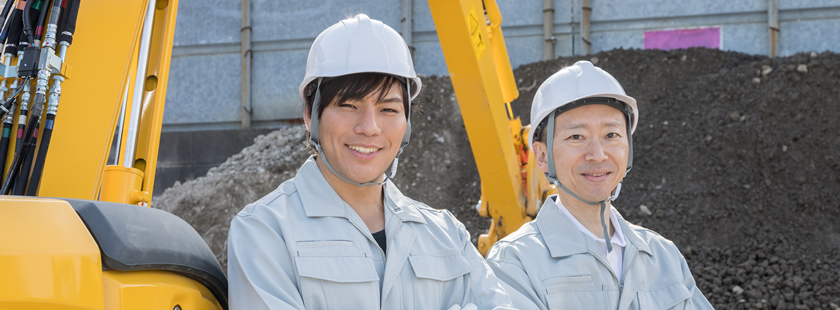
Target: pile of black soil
(737, 160)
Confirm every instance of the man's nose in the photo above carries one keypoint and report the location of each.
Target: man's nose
(596, 151)
(367, 124)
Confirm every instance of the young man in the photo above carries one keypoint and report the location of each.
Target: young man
(340, 235)
(561, 260)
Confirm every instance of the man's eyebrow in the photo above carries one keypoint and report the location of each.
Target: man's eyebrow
(392, 99)
(573, 126)
(613, 124)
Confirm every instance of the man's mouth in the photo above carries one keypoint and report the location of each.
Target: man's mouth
(596, 174)
(363, 150)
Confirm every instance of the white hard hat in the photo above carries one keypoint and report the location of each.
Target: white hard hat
(571, 84)
(357, 45)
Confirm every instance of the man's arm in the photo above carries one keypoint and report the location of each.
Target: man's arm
(487, 291)
(697, 300)
(261, 272)
(514, 279)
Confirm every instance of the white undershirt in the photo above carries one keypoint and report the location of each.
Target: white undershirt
(616, 257)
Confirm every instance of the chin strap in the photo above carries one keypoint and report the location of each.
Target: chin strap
(603, 204)
(313, 137)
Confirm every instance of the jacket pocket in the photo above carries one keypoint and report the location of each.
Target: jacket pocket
(440, 268)
(574, 292)
(341, 281)
(669, 297)
(440, 280)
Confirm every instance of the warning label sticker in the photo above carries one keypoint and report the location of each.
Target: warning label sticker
(478, 40)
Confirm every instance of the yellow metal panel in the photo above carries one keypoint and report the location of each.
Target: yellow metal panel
(106, 32)
(143, 290)
(48, 259)
(478, 89)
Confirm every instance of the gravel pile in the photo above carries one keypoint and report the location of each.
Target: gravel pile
(737, 161)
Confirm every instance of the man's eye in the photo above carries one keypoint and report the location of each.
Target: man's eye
(389, 110)
(575, 137)
(613, 135)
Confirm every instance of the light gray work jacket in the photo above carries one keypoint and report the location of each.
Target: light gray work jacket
(550, 264)
(301, 246)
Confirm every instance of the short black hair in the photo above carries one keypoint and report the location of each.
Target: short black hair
(354, 87)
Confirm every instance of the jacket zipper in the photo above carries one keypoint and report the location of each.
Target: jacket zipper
(370, 238)
(624, 276)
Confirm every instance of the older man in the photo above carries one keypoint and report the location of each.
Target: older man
(562, 260)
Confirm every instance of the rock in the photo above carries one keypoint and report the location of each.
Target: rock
(756, 81)
(813, 54)
(736, 289)
(765, 70)
(594, 60)
(734, 116)
(802, 68)
(645, 210)
(708, 138)
(834, 306)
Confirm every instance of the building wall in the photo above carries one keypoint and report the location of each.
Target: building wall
(204, 89)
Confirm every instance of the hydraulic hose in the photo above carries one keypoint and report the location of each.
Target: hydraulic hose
(39, 26)
(18, 160)
(55, 93)
(5, 13)
(12, 31)
(20, 182)
(67, 27)
(27, 21)
(4, 143)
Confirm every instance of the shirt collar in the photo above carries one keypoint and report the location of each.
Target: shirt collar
(320, 199)
(617, 238)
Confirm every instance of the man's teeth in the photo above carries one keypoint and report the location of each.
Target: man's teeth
(363, 150)
(596, 174)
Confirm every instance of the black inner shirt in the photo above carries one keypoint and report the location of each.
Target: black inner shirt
(379, 236)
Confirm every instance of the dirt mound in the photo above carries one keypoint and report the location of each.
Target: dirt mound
(737, 160)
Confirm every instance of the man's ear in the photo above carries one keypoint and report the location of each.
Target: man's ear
(541, 156)
(307, 119)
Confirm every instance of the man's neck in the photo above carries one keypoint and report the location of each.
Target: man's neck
(588, 215)
(367, 200)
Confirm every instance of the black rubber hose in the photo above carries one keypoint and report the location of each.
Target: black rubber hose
(62, 19)
(4, 144)
(70, 21)
(5, 13)
(19, 155)
(27, 22)
(39, 26)
(13, 30)
(20, 183)
(38, 170)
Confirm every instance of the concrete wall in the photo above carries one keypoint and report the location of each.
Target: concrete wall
(204, 89)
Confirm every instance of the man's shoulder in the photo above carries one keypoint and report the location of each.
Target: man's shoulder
(653, 239)
(524, 240)
(271, 201)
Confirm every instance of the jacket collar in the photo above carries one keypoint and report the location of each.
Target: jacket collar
(564, 239)
(630, 235)
(320, 199)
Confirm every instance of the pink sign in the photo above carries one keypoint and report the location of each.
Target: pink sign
(682, 38)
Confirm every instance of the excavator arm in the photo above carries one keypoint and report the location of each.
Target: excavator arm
(512, 186)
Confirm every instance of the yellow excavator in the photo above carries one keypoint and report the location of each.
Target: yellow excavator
(78, 230)
(96, 244)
